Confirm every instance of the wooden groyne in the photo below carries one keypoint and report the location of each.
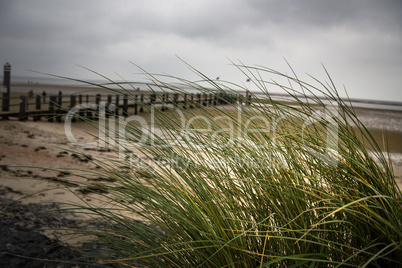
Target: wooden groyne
(91, 106)
(56, 107)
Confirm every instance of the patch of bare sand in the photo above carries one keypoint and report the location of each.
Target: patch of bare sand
(36, 157)
(40, 151)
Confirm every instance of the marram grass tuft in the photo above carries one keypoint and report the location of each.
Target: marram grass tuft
(264, 181)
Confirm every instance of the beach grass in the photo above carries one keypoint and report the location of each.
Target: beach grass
(269, 184)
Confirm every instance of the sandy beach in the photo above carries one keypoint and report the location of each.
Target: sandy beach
(26, 145)
(30, 186)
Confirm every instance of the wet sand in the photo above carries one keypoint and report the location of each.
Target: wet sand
(28, 194)
(26, 145)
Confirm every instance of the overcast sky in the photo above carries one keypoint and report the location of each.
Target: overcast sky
(358, 41)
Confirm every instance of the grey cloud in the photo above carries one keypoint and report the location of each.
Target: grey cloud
(56, 35)
(324, 14)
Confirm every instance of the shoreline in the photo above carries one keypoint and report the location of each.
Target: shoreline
(78, 87)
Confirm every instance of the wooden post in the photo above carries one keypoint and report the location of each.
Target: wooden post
(210, 99)
(204, 97)
(142, 103)
(81, 112)
(125, 105)
(73, 103)
(60, 98)
(163, 102)
(116, 112)
(88, 110)
(248, 97)
(23, 113)
(97, 99)
(185, 101)
(175, 100)
(108, 105)
(52, 102)
(199, 98)
(152, 99)
(167, 100)
(97, 102)
(37, 108)
(192, 100)
(136, 104)
(6, 89)
(58, 106)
